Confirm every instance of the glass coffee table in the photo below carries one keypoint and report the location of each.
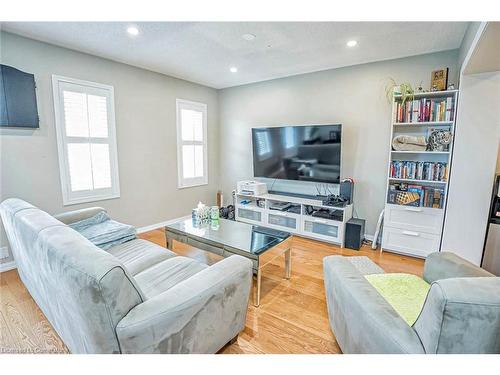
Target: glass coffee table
(227, 237)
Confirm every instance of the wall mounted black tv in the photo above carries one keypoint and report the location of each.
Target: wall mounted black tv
(304, 153)
(18, 107)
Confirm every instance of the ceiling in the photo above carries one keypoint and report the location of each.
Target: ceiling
(203, 52)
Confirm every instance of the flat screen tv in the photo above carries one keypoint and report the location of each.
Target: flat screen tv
(18, 107)
(304, 153)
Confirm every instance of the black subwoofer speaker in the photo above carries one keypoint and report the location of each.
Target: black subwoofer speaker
(354, 233)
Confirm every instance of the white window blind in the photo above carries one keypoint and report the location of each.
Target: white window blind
(191, 143)
(86, 139)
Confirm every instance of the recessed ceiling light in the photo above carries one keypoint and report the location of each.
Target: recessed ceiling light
(233, 69)
(132, 30)
(248, 37)
(352, 43)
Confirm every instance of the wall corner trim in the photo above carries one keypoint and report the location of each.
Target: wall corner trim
(472, 47)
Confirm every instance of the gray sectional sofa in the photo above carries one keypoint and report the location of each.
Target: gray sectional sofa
(136, 297)
(461, 313)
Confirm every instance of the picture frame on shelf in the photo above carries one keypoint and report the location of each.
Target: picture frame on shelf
(439, 80)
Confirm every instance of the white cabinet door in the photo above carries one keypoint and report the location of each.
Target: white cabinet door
(322, 229)
(283, 221)
(251, 216)
(420, 219)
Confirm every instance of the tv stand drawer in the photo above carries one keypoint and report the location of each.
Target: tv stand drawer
(328, 230)
(283, 220)
(252, 216)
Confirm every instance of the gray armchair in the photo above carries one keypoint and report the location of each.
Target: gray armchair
(460, 315)
(136, 297)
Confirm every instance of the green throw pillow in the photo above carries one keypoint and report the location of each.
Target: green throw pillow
(405, 293)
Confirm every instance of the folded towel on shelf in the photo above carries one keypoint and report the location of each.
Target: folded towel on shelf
(104, 232)
(409, 143)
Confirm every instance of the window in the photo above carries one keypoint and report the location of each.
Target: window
(86, 140)
(191, 143)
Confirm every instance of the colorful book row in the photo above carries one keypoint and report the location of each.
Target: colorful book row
(419, 170)
(424, 110)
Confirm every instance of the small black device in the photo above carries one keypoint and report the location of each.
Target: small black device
(354, 233)
(280, 206)
(347, 190)
(227, 212)
(325, 213)
(335, 201)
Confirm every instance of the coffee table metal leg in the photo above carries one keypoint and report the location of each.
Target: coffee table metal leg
(168, 241)
(256, 301)
(288, 263)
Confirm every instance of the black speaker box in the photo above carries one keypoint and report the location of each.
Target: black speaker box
(354, 233)
(347, 190)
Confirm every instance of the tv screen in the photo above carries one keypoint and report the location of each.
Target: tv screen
(305, 153)
(17, 98)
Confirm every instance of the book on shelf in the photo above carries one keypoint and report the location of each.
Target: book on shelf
(416, 195)
(424, 110)
(419, 170)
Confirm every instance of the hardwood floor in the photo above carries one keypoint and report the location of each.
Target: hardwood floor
(292, 317)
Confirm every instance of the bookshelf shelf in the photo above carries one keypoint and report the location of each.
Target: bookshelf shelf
(409, 180)
(421, 152)
(432, 94)
(415, 205)
(426, 123)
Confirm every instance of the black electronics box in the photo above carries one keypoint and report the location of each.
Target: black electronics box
(354, 233)
(347, 190)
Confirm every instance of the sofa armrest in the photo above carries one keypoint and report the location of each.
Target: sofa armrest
(199, 315)
(445, 265)
(361, 319)
(71, 217)
(461, 315)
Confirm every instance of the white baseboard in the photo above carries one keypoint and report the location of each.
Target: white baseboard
(159, 225)
(7, 266)
(369, 237)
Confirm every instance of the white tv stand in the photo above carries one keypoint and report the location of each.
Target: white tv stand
(258, 211)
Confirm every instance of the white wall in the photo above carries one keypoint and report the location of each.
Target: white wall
(354, 96)
(474, 164)
(145, 125)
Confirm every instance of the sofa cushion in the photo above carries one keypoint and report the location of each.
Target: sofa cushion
(364, 265)
(405, 293)
(167, 274)
(138, 255)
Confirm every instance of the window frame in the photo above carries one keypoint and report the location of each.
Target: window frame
(75, 197)
(182, 182)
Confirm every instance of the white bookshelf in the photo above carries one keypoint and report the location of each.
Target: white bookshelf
(424, 123)
(298, 223)
(417, 231)
(421, 152)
